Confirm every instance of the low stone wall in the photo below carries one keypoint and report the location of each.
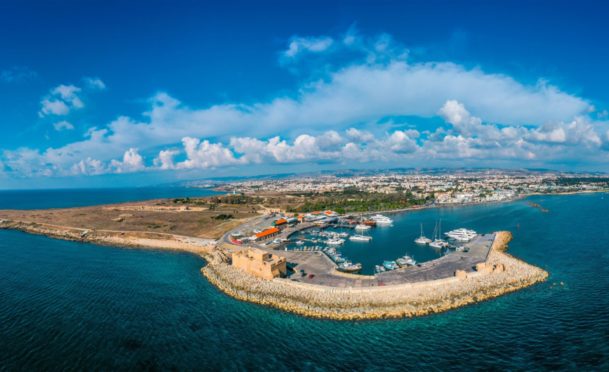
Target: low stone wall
(404, 300)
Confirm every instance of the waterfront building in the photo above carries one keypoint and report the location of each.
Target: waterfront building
(259, 263)
(267, 233)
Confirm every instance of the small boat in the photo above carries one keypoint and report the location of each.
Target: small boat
(437, 242)
(369, 223)
(362, 227)
(360, 238)
(409, 261)
(390, 265)
(422, 240)
(300, 242)
(349, 267)
(335, 241)
(401, 262)
(379, 269)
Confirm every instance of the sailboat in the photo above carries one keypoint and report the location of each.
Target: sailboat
(438, 243)
(422, 240)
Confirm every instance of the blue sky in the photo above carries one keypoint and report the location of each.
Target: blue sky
(99, 93)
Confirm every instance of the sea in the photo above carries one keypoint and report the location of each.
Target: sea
(74, 306)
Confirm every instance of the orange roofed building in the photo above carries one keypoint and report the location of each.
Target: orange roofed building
(259, 263)
(265, 234)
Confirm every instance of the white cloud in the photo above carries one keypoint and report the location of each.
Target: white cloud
(94, 83)
(203, 154)
(300, 45)
(324, 120)
(61, 100)
(63, 125)
(65, 98)
(165, 159)
(132, 162)
(89, 166)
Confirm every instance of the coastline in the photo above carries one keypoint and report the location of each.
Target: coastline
(503, 274)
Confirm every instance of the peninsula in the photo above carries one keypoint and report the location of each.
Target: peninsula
(244, 239)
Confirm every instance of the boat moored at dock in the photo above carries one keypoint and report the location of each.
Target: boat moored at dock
(461, 235)
(381, 220)
(422, 240)
(360, 238)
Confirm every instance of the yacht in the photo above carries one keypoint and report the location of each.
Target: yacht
(360, 238)
(422, 240)
(362, 227)
(461, 235)
(381, 220)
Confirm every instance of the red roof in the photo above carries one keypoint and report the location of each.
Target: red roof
(280, 221)
(267, 232)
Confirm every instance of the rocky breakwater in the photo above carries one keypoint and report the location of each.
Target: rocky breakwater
(500, 274)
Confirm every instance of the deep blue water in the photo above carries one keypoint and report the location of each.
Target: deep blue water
(65, 198)
(67, 305)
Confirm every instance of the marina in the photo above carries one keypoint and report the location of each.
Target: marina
(378, 244)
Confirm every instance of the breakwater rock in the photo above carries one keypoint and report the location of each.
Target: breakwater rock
(502, 274)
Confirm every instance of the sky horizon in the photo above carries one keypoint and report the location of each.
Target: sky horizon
(105, 94)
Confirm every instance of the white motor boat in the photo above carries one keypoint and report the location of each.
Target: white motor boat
(381, 220)
(360, 238)
(362, 227)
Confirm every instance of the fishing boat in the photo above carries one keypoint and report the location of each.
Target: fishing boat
(360, 238)
(350, 267)
(422, 240)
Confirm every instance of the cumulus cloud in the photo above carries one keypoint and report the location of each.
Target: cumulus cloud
(63, 125)
(336, 118)
(94, 83)
(65, 98)
(61, 100)
(132, 162)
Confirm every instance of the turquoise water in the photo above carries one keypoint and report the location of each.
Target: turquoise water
(68, 305)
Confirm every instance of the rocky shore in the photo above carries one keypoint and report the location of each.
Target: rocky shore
(501, 274)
